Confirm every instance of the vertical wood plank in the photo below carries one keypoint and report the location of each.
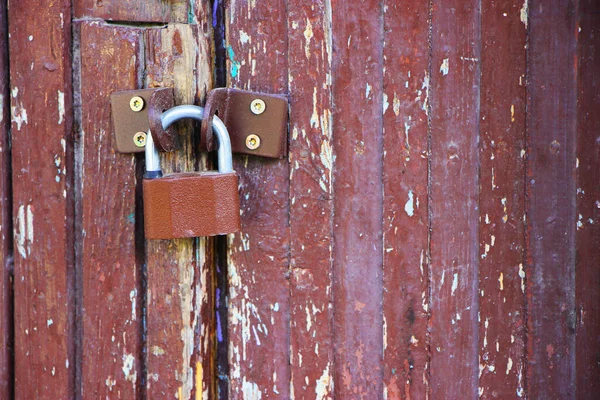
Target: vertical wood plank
(258, 267)
(551, 198)
(180, 313)
(133, 10)
(455, 78)
(41, 93)
(405, 187)
(111, 277)
(311, 204)
(588, 204)
(6, 228)
(357, 149)
(502, 318)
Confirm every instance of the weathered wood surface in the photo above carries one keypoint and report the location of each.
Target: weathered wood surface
(311, 205)
(357, 177)
(258, 263)
(454, 215)
(40, 73)
(405, 188)
(501, 291)
(6, 228)
(587, 261)
(551, 199)
(180, 321)
(133, 10)
(111, 280)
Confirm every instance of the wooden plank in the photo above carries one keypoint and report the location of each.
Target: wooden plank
(180, 312)
(455, 77)
(405, 188)
(134, 10)
(588, 204)
(40, 73)
(311, 206)
(358, 153)
(502, 318)
(258, 266)
(110, 272)
(6, 228)
(551, 198)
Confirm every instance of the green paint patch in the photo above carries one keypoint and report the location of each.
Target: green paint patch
(235, 65)
(131, 218)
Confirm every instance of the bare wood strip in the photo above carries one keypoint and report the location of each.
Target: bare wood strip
(502, 318)
(357, 149)
(41, 93)
(551, 199)
(405, 218)
(6, 227)
(454, 194)
(111, 277)
(258, 265)
(311, 204)
(133, 10)
(180, 291)
(588, 204)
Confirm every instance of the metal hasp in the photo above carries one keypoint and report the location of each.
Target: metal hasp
(257, 122)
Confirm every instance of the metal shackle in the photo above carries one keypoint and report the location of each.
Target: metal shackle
(169, 117)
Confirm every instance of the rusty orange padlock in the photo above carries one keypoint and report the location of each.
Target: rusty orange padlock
(190, 204)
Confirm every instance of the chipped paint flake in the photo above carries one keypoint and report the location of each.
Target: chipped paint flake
(454, 283)
(445, 66)
(324, 385)
(61, 107)
(409, 207)
(308, 35)
(524, 12)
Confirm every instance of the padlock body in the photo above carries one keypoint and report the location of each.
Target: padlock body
(191, 204)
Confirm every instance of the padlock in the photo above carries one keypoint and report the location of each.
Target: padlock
(191, 204)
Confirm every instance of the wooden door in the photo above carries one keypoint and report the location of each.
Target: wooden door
(433, 232)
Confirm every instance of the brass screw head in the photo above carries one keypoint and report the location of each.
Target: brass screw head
(257, 106)
(136, 103)
(139, 139)
(252, 142)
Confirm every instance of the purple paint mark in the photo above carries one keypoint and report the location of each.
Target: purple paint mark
(219, 330)
(214, 17)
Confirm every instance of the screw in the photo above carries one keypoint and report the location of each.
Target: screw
(252, 142)
(257, 106)
(140, 139)
(136, 103)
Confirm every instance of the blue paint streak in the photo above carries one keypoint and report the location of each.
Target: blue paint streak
(235, 65)
(215, 8)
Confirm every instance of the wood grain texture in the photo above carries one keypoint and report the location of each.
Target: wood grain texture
(180, 313)
(311, 205)
(40, 73)
(358, 153)
(455, 78)
(134, 10)
(502, 318)
(551, 198)
(588, 203)
(6, 228)
(258, 266)
(405, 188)
(111, 274)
